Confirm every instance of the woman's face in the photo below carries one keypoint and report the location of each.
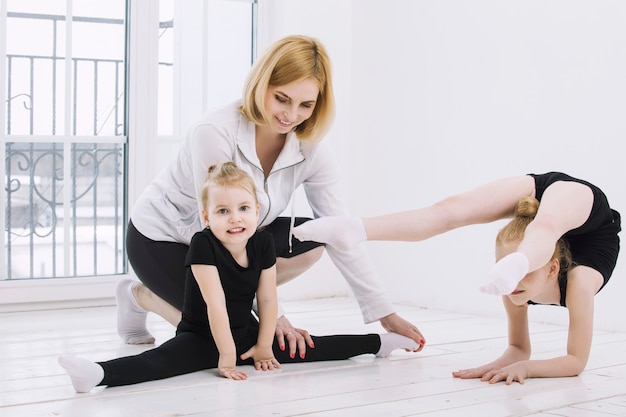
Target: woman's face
(290, 104)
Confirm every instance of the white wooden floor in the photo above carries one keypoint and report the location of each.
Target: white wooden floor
(407, 384)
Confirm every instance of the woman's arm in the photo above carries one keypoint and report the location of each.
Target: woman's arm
(324, 194)
(208, 280)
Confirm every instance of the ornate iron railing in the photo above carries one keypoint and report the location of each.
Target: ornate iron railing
(65, 191)
(38, 226)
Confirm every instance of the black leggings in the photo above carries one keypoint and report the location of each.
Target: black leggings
(191, 351)
(160, 266)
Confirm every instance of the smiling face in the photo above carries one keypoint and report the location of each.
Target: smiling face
(290, 104)
(538, 285)
(232, 214)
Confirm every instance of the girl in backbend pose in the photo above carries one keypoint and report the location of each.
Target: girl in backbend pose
(560, 248)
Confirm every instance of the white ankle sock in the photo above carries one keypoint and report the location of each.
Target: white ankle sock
(131, 318)
(506, 274)
(84, 374)
(393, 341)
(342, 232)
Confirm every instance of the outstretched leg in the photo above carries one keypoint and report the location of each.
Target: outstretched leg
(487, 203)
(565, 205)
(185, 353)
(84, 374)
(340, 347)
(394, 341)
(342, 232)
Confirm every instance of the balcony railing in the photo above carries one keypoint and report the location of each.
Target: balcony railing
(64, 175)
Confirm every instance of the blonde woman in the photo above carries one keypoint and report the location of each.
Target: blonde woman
(274, 133)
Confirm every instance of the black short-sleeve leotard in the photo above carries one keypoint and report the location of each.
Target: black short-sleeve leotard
(596, 242)
(194, 349)
(239, 283)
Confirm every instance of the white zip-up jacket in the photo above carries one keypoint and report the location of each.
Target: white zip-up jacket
(169, 209)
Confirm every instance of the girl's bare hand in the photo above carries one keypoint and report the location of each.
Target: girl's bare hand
(508, 374)
(232, 373)
(264, 359)
(473, 372)
(266, 364)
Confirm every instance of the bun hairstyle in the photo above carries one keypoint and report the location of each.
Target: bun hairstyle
(514, 231)
(525, 212)
(227, 174)
(527, 208)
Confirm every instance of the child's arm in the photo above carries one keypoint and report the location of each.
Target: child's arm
(519, 343)
(267, 302)
(208, 280)
(268, 306)
(583, 283)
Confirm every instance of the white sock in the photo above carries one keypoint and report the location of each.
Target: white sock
(131, 318)
(342, 232)
(84, 374)
(506, 274)
(392, 341)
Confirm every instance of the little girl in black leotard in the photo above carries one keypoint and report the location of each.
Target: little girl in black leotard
(229, 263)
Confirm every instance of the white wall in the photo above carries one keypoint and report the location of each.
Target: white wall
(438, 96)
(330, 22)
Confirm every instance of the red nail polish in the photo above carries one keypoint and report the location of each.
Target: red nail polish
(422, 341)
(312, 345)
(302, 356)
(291, 355)
(282, 348)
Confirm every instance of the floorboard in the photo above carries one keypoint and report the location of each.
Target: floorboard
(406, 384)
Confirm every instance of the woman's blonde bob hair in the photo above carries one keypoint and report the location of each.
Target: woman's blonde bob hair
(294, 58)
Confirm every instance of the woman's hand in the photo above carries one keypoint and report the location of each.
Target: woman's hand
(264, 359)
(396, 324)
(298, 339)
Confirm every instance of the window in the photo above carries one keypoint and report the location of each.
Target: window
(84, 131)
(64, 139)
